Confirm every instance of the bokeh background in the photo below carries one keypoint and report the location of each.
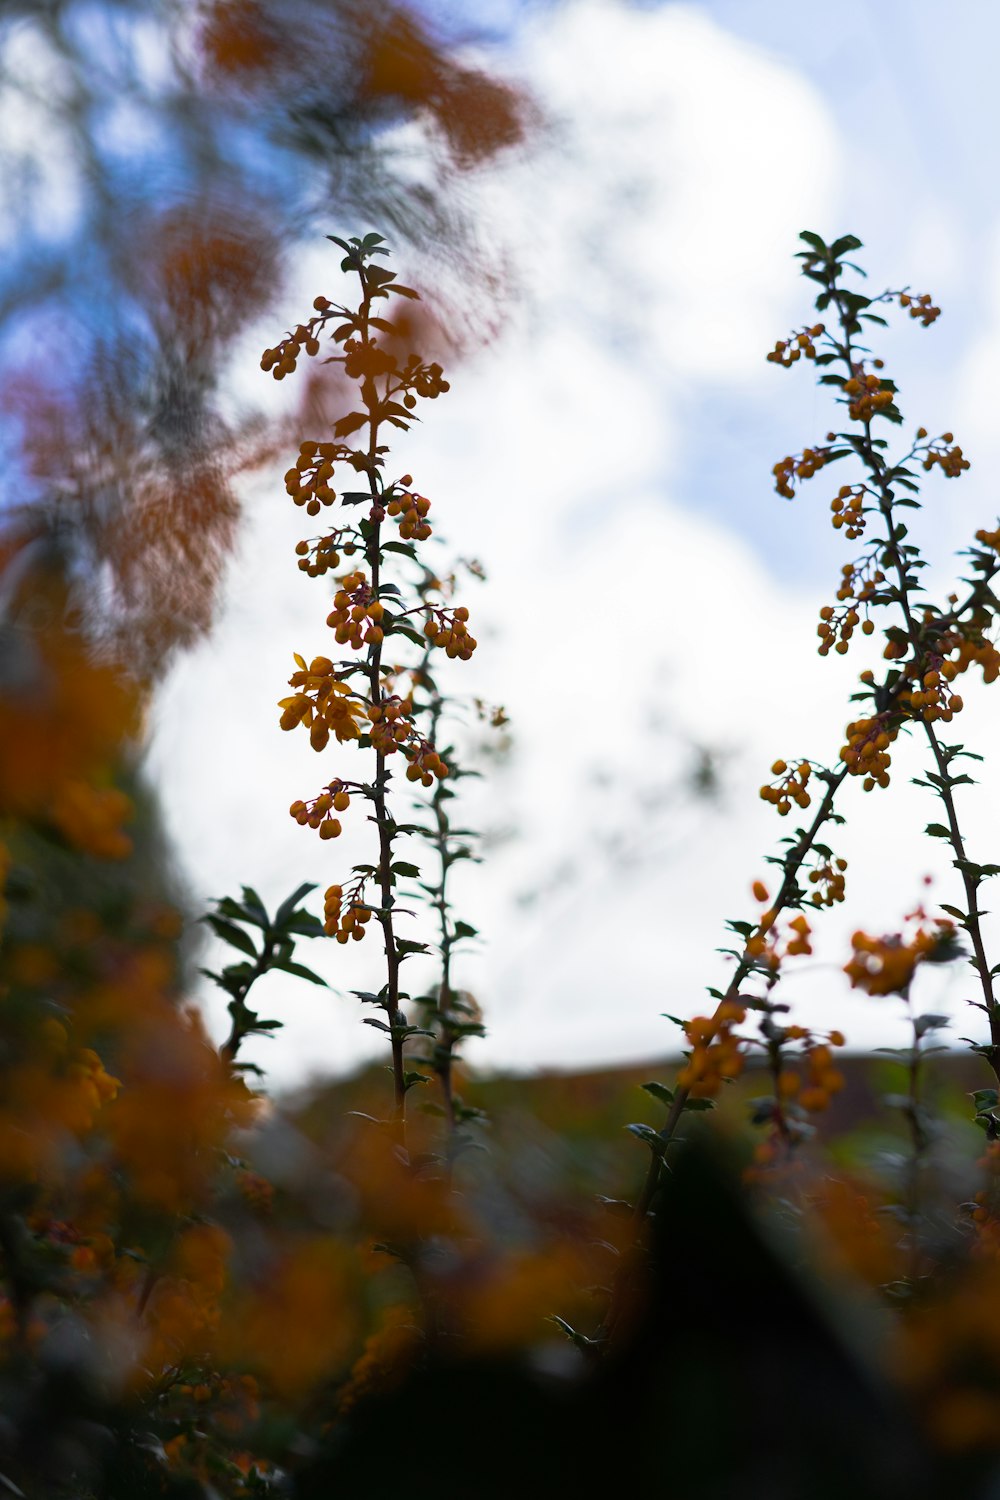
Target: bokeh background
(600, 203)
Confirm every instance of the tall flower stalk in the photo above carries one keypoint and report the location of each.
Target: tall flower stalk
(927, 646)
(386, 603)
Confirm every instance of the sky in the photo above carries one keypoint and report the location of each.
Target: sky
(607, 456)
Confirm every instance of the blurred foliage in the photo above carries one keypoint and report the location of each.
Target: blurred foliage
(160, 164)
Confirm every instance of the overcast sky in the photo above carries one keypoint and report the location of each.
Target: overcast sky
(608, 458)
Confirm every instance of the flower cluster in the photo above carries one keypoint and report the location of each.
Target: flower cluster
(91, 817)
(823, 1078)
(799, 466)
(866, 752)
(886, 965)
(829, 882)
(867, 394)
(857, 586)
(411, 512)
(946, 455)
(357, 614)
(391, 726)
(836, 628)
(345, 922)
(318, 557)
(716, 1054)
(974, 649)
(921, 307)
(790, 786)
(932, 697)
(425, 763)
(769, 946)
(449, 630)
(283, 358)
(848, 510)
(308, 483)
(387, 1354)
(813, 1090)
(426, 380)
(787, 351)
(317, 812)
(947, 652)
(323, 703)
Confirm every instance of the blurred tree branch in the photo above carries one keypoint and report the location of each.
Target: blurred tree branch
(160, 164)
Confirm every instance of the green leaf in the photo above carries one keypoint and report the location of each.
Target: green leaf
(404, 1030)
(659, 1091)
(303, 924)
(465, 930)
(231, 934)
(346, 425)
(401, 867)
(409, 633)
(456, 854)
(256, 910)
(300, 971)
(651, 1137)
(929, 1022)
(232, 979)
(393, 409)
(699, 1104)
(404, 946)
(937, 831)
(227, 907)
(579, 1339)
(291, 902)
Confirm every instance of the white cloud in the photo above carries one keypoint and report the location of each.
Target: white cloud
(42, 193)
(681, 167)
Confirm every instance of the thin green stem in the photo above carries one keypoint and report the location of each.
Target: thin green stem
(919, 1141)
(383, 821)
(787, 892)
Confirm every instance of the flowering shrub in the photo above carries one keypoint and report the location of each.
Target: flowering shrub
(203, 1294)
